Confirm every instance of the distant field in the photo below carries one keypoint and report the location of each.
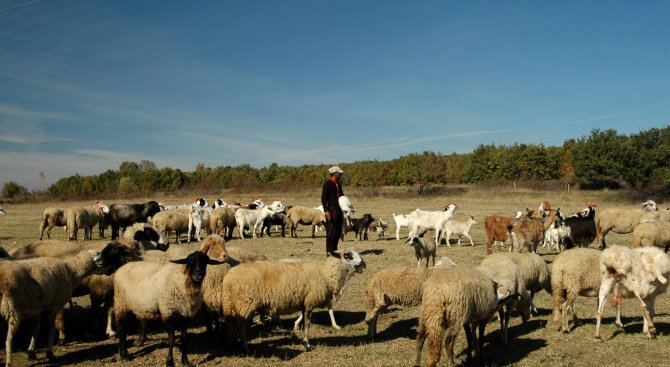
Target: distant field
(535, 343)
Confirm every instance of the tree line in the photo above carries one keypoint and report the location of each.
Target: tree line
(603, 159)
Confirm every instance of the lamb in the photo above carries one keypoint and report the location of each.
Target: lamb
(652, 234)
(641, 271)
(52, 217)
(535, 273)
(198, 218)
(176, 220)
(460, 228)
(454, 298)
(305, 216)
(170, 292)
(620, 221)
(401, 220)
(395, 286)
(222, 221)
(86, 218)
(359, 226)
(430, 220)
(299, 286)
(422, 250)
(530, 232)
(380, 226)
(124, 215)
(43, 285)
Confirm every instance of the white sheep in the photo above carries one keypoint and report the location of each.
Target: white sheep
(423, 250)
(652, 234)
(43, 285)
(640, 271)
(454, 298)
(151, 291)
(401, 220)
(459, 228)
(620, 221)
(253, 218)
(52, 217)
(295, 287)
(395, 286)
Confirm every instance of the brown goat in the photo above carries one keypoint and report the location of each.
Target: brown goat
(497, 229)
(531, 231)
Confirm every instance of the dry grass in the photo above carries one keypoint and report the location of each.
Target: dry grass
(533, 343)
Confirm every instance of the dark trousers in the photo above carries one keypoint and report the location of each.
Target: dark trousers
(334, 230)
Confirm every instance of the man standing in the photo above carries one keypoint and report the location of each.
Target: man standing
(332, 190)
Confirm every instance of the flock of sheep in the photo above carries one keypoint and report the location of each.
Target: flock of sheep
(139, 274)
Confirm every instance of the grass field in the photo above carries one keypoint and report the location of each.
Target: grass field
(531, 344)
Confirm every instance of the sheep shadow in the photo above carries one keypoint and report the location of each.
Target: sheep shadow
(375, 251)
(405, 329)
(97, 352)
(498, 354)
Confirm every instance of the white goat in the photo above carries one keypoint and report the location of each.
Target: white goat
(459, 228)
(253, 218)
(401, 220)
(430, 220)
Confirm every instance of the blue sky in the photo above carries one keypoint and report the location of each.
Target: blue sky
(85, 85)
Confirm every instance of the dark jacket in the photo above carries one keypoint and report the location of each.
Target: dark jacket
(330, 195)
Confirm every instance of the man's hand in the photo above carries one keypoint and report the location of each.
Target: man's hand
(327, 216)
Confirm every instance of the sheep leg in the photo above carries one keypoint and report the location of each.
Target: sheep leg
(241, 325)
(170, 328)
(566, 306)
(296, 324)
(121, 330)
(648, 317)
(51, 317)
(650, 306)
(479, 350)
(142, 337)
(502, 315)
(33, 338)
(109, 331)
(448, 349)
(12, 328)
(470, 339)
(605, 288)
(618, 316)
(308, 314)
(331, 313)
(60, 326)
(420, 340)
(183, 345)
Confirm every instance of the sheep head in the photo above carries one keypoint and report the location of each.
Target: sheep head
(353, 260)
(650, 206)
(196, 265)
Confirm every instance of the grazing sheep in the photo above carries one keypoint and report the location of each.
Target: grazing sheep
(380, 226)
(620, 221)
(455, 298)
(52, 217)
(652, 234)
(423, 250)
(170, 292)
(535, 273)
(359, 226)
(305, 216)
(222, 221)
(401, 220)
(176, 220)
(124, 215)
(641, 271)
(507, 274)
(279, 288)
(395, 286)
(31, 287)
(459, 228)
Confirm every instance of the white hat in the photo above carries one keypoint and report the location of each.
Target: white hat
(334, 169)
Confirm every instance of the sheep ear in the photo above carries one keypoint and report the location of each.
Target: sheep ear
(214, 262)
(180, 261)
